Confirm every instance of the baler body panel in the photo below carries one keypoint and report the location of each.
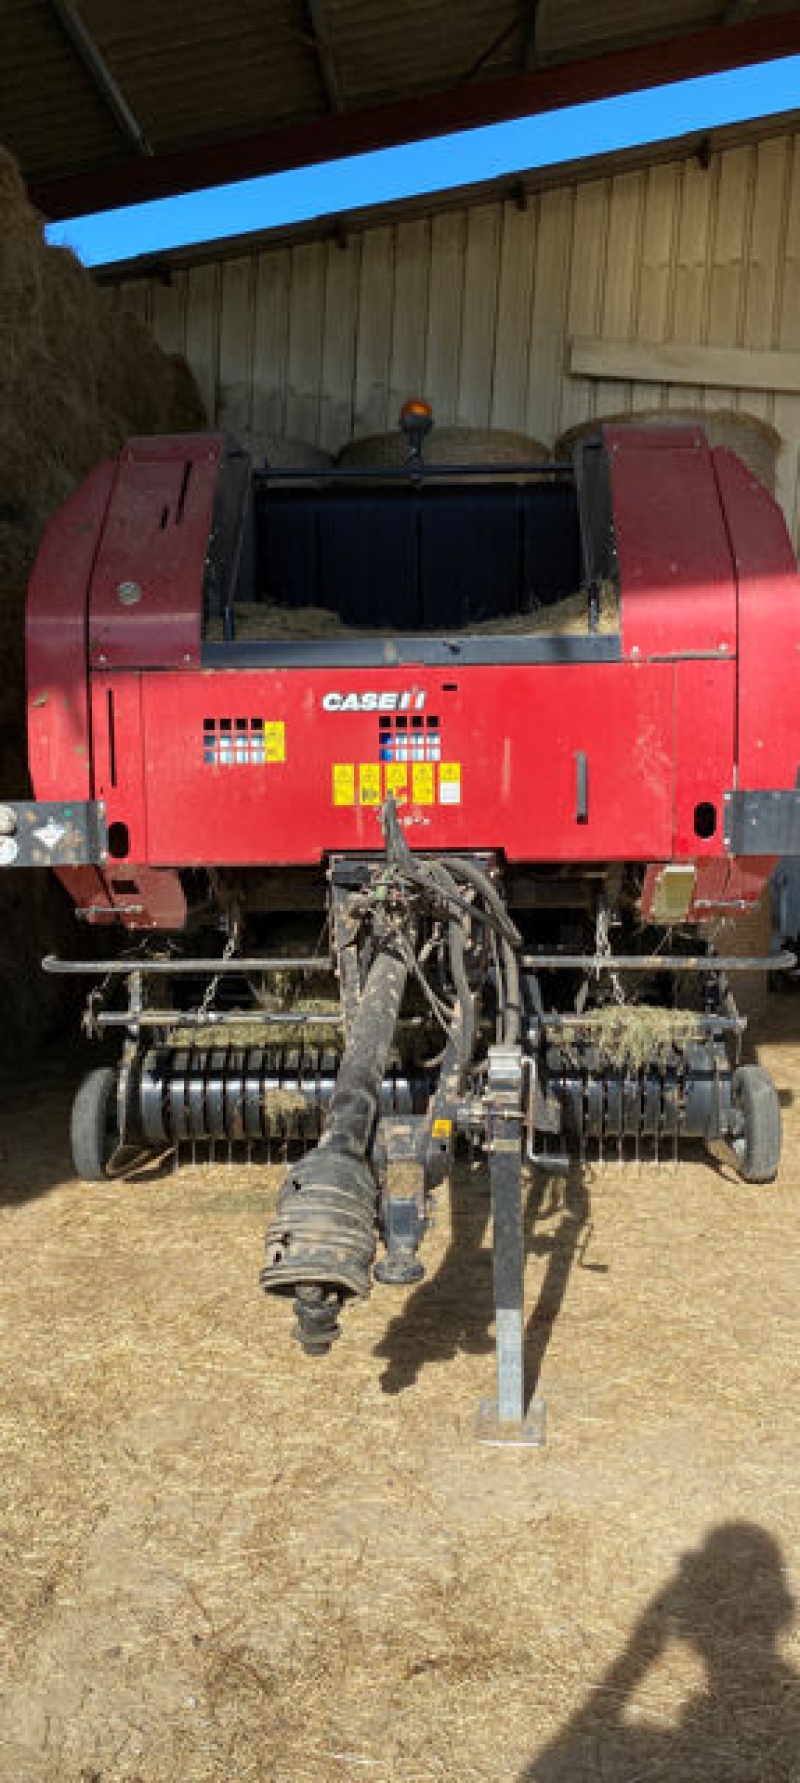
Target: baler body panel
(768, 743)
(56, 641)
(704, 748)
(145, 603)
(487, 758)
(118, 757)
(676, 573)
(562, 750)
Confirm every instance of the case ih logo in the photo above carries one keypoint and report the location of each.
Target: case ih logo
(412, 700)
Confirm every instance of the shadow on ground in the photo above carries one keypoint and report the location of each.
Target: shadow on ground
(729, 1602)
(453, 1310)
(35, 1103)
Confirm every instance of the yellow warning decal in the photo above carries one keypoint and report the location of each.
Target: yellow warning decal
(422, 783)
(369, 783)
(450, 783)
(397, 779)
(344, 783)
(441, 1129)
(274, 740)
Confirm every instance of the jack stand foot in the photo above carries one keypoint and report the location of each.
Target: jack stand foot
(399, 1269)
(508, 1433)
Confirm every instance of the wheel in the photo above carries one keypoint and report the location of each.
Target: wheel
(757, 1146)
(93, 1125)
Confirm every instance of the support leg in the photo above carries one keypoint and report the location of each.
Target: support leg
(504, 1419)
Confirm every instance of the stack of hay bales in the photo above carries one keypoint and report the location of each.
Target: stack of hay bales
(77, 376)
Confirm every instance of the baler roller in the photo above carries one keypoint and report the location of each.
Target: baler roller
(686, 1094)
(250, 1094)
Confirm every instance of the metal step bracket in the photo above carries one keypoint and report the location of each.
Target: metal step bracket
(505, 1419)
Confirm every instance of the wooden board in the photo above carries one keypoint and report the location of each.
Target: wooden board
(515, 293)
(373, 345)
(339, 343)
(234, 395)
(412, 264)
(271, 343)
(305, 341)
(445, 302)
(479, 314)
(678, 362)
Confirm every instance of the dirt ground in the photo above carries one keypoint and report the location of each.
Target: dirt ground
(223, 1562)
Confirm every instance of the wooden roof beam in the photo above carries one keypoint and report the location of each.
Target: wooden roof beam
(464, 107)
(100, 74)
(320, 31)
(530, 51)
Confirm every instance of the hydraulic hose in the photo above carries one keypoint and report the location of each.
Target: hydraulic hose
(510, 939)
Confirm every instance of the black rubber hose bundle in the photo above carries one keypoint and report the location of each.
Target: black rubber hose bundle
(323, 1232)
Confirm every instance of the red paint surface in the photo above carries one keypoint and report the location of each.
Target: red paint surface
(55, 634)
(672, 543)
(769, 629)
(705, 722)
(514, 730)
(705, 563)
(155, 538)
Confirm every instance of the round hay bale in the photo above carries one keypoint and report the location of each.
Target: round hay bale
(446, 445)
(280, 452)
(753, 440)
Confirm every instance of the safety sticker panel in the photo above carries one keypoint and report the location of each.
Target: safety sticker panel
(397, 780)
(450, 783)
(422, 784)
(344, 783)
(419, 783)
(369, 783)
(275, 740)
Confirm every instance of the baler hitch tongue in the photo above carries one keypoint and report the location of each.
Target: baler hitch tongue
(321, 1242)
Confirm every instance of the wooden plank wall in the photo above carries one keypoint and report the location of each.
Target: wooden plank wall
(474, 307)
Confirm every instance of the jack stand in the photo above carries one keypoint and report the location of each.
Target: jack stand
(505, 1419)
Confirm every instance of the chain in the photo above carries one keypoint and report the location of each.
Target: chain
(602, 950)
(211, 990)
(94, 1003)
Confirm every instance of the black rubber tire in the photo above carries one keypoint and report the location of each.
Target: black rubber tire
(93, 1124)
(758, 1150)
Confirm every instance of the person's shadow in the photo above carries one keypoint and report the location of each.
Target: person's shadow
(730, 1602)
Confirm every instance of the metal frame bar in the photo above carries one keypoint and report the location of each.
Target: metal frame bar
(213, 1018)
(654, 962)
(394, 650)
(414, 471)
(122, 968)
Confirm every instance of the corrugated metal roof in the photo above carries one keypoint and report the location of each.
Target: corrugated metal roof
(196, 73)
